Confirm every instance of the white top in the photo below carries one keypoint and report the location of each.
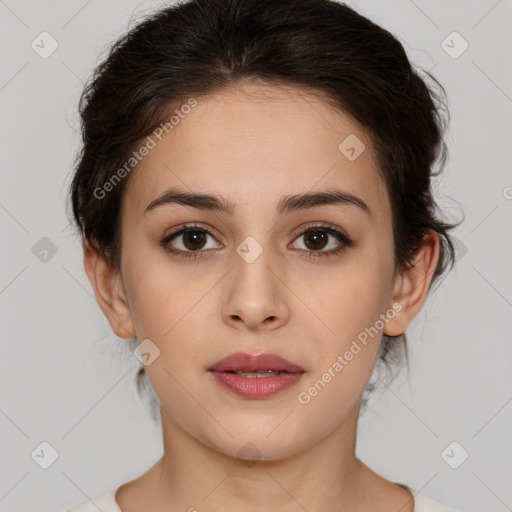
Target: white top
(107, 503)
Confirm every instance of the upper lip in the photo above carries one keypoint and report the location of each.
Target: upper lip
(242, 362)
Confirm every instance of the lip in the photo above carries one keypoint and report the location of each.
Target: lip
(255, 387)
(242, 362)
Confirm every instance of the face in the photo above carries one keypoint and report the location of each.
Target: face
(303, 280)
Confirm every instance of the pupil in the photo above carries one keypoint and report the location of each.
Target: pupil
(319, 239)
(194, 238)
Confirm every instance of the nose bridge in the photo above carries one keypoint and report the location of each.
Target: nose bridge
(255, 265)
(255, 292)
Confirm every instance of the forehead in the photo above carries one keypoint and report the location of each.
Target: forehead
(253, 143)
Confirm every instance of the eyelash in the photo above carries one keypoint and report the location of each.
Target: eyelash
(341, 236)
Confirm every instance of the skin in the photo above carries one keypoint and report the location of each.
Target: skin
(253, 144)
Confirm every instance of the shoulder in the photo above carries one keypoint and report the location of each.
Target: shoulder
(105, 502)
(423, 503)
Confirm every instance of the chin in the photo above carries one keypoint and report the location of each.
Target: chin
(252, 443)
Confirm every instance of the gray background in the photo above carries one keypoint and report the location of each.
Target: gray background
(67, 380)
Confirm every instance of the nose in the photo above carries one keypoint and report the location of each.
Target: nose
(257, 295)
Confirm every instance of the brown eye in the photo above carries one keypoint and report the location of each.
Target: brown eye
(315, 239)
(194, 240)
(190, 242)
(322, 240)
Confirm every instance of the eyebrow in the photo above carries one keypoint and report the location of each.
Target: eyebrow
(287, 204)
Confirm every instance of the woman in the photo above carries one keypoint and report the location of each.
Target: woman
(254, 199)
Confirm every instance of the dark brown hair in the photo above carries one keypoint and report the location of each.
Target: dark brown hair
(198, 47)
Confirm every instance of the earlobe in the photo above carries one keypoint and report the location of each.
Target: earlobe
(109, 291)
(411, 286)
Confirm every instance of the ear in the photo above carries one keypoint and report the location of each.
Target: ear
(109, 291)
(411, 286)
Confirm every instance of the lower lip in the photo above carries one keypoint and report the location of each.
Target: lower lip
(256, 387)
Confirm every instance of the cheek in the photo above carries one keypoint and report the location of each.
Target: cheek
(347, 339)
(346, 346)
(169, 310)
(164, 294)
(351, 298)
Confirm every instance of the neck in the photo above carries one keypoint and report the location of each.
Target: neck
(192, 475)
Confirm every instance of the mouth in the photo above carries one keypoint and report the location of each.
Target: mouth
(255, 376)
(258, 375)
(255, 363)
